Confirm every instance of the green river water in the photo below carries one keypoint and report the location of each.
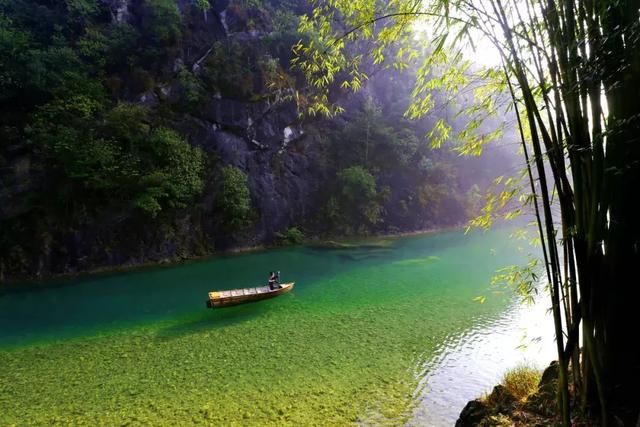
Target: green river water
(381, 335)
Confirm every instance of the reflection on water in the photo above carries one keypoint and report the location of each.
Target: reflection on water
(466, 366)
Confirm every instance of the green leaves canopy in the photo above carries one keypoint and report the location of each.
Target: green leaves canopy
(114, 156)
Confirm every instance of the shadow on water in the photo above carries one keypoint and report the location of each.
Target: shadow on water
(210, 319)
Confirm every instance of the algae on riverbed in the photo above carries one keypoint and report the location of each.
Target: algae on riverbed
(342, 348)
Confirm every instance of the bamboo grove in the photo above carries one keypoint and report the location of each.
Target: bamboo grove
(572, 69)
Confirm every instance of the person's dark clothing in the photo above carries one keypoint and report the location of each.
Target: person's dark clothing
(272, 281)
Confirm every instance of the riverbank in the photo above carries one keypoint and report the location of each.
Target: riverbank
(516, 403)
(524, 397)
(238, 250)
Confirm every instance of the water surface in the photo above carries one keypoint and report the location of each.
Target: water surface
(385, 334)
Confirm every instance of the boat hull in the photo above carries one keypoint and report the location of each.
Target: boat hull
(245, 295)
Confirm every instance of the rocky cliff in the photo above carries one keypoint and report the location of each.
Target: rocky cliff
(217, 74)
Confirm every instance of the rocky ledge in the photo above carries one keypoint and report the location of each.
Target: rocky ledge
(501, 408)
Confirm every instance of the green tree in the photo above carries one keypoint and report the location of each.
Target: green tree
(14, 57)
(161, 25)
(82, 12)
(291, 236)
(171, 172)
(191, 87)
(83, 164)
(233, 200)
(372, 141)
(114, 157)
(228, 70)
(359, 198)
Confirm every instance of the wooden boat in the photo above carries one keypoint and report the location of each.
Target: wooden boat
(241, 296)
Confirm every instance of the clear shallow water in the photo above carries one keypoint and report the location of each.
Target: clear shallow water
(470, 364)
(387, 335)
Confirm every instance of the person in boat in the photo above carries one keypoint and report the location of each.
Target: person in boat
(274, 280)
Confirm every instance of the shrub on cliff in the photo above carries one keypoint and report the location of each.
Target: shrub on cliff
(291, 236)
(233, 202)
(161, 22)
(113, 159)
(359, 203)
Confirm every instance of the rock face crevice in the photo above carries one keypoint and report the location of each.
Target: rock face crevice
(119, 10)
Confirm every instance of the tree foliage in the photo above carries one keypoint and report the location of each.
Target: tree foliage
(291, 236)
(105, 154)
(360, 202)
(425, 188)
(233, 200)
(569, 68)
(374, 142)
(65, 69)
(229, 70)
(161, 22)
